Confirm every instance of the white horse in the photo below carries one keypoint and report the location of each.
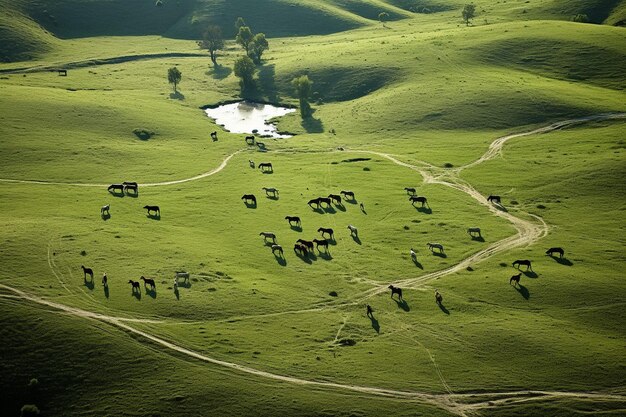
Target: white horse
(269, 191)
(413, 255)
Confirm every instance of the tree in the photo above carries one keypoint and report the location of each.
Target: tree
(244, 38)
(257, 46)
(245, 69)
(212, 41)
(469, 12)
(239, 23)
(303, 85)
(174, 76)
(383, 16)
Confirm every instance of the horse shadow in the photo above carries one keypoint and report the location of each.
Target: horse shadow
(132, 194)
(296, 228)
(530, 274)
(106, 291)
(340, 207)
(375, 324)
(418, 264)
(478, 238)
(273, 197)
(363, 211)
(312, 256)
(425, 210)
(280, 260)
(350, 200)
(250, 205)
(501, 207)
(563, 261)
(444, 309)
(185, 284)
(156, 217)
(330, 209)
(318, 210)
(151, 293)
(266, 171)
(89, 284)
(177, 293)
(304, 258)
(136, 294)
(326, 256)
(523, 291)
(356, 238)
(440, 254)
(403, 305)
(106, 216)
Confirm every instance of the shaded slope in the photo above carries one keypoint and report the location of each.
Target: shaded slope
(20, 37)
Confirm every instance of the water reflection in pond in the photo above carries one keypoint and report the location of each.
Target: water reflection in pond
(249, 117)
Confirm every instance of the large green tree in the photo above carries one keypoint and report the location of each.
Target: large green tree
(174, 76)
(303, 87)
(469, 12)
(256, 48)
(212, 41)
(245, 69)
(244, 38)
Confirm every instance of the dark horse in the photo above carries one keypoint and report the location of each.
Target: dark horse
(156, 209)
(552, 251)
(515, 279)
(347, 195)
(293, 219)
(87, 271)
(250, 140)
(116, 187)
(306, 243)
(148, 281)
(494, 199)
(266, 166)
(336, 198)
(130, 186)
(415, 199)
(321, 242)
(396, 290)
(326, 231)
(135, 285)
(249, 198)
(410, 190)
(438, 297)
(524, 262)
(315, 201)
(325, 200)
(300, 249)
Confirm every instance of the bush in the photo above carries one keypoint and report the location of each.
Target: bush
(143, 134)
(581, 18)
(29, 410)
(158, 3)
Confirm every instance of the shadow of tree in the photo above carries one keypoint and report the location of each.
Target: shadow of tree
(312, 125)
(177, 95)
(267, 82)
(219, 72)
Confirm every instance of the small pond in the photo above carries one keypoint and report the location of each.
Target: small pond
(249, 117)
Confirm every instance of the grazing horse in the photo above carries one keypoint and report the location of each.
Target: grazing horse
(325, 200)
(105, 280)
(277, 248)
(413, 255)
(515, 279)
(353, 230)
(494, 199)
(410, 190)
(181, 274)
(116, 187)
(433, 246)
(315, 201)
(156, 209)
(293, 219)
(335, 198)
(130, 186)
(415, 199)
(214, 136)
(250, 140)
(524, 262)
(552, 251)
(438, 297)
(266, 166)
(251, 163)
(268, 235)
(326, 231)
(269, 191)
(396, 290)
(148, 281)
(306, 243)
(249, 198)
(87, 271)
(347, 195)
(301, 249)
(104, 209)
(135, 285)
(474, 232)
(321, 242)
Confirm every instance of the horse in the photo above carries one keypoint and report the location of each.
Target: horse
(321, 242)
(315, 201)
(494, 199)
(410, 190)
(266, 166)
(413, 255)
(251, 163)
(128, 186)
(347, 194)
(214, 136)
(156, 209)
(525, 262)
(148, 281)
(277, 248)
(273, 191)
(116, 187)
(306, 243)
(515, 279)
(325, 231)
(300, 248)
(293, 219)
(250, 140)
(249, 197)
(551, 251)
(335, 198)
(353, 230)
(472, 231)
(87, 271)
(181, 274)
(325, 200)
(105, 280)
(396, 290)
(268, 235)
(438, 297)
(104, 209)
(135, 285)
(415, 199)
(432, 247)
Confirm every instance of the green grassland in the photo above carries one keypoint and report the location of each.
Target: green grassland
(422, 89)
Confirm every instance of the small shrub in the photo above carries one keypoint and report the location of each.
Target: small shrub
(366, 169)
(143, 134)
(406, 227)
(29, 410)
(541, 206)
(581, 18)
(83, 253)
(448, 165)
(514, 202)
(503, 264)
(33, 383)
(333, 293)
